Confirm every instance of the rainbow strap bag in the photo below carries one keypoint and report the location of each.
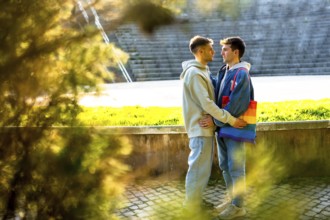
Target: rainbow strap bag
(246, 134)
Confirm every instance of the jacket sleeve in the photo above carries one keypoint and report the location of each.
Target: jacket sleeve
(198, 89)
(213, 80)
(240, 96)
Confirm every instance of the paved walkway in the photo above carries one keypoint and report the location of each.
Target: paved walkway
(303, 199)
(169, 93)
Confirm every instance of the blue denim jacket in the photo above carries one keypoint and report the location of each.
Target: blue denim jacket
(242, 93)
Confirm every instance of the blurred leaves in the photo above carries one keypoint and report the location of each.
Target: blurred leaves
(147, 15)
(50, 53)
(66, 175)
(46, 62)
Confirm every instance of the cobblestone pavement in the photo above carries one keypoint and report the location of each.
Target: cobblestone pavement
(303, 199)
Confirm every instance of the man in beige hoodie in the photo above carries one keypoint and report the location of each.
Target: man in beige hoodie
(198, 100)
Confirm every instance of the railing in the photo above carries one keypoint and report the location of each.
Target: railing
(104, 35)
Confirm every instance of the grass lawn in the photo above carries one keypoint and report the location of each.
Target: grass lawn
(301, 110)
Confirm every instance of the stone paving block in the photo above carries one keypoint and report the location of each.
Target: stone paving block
(138, 211)
(151, 197)
(138, 201)
(324, 205)
(128, 214)
(324, 199)
(144, 199)
(167, 199)
(148, 208)
(141, 206)
(313, 202)
(143, 215)
(316, 209)
(302, 203)
(134, 207)
(326, 213)
(322, 217)
(310, 213)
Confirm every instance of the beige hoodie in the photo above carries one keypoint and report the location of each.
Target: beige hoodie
(198, 99)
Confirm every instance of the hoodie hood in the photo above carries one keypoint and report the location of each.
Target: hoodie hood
(240, 65)
(191, 63)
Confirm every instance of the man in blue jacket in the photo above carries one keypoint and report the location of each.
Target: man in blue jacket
(232, 153)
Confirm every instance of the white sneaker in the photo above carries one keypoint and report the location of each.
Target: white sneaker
(223, 206)
(232, 211)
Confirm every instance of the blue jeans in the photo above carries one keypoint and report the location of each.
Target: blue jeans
(231, 155)
(199, 171)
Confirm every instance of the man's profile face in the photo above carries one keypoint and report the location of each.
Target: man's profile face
(228, 54)
(207, 52)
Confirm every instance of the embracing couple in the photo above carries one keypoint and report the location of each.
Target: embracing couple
(204, 115)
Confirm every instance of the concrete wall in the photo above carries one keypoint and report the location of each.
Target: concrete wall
(299, 149)
(287, 149)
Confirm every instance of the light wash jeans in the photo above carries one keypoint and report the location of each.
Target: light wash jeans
(199, 171)
(231, 155)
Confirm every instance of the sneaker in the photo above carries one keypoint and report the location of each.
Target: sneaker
(220, 208)
(232, 211)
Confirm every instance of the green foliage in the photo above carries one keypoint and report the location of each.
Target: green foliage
(148, 15)
(71, 174)
(294, 110)
(49, 55)
(45, 63)
(130, 116)
(139, 116)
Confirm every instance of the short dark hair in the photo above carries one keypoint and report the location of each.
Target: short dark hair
(198, 41)
(236, 43)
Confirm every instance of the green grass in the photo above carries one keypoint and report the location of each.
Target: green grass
(294, 110)
(140, 116)
(131, 116)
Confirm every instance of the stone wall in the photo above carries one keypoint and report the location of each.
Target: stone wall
(285, 149)
(299, 148)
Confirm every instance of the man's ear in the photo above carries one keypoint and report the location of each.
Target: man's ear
(236, 52)
(201, 49)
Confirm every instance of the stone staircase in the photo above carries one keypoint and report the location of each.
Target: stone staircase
(282, 38)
